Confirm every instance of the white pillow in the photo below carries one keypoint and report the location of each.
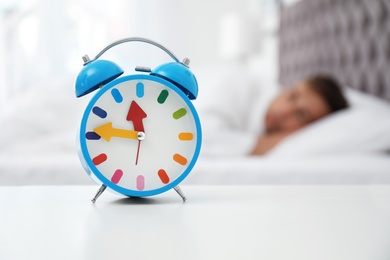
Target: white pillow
(362, 128)
(231, 107)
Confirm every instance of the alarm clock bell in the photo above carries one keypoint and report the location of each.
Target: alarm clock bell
(97, 73)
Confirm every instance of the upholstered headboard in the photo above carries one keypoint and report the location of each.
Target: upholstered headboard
(349, 39)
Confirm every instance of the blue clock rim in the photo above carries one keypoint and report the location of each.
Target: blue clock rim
(86, 159)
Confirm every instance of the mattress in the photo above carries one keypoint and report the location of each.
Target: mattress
(347, 169)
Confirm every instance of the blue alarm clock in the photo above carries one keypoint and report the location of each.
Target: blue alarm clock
(140, 135)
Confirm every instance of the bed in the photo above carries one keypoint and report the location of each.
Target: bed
(347, 39)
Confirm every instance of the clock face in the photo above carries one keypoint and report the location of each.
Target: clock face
(139, 135)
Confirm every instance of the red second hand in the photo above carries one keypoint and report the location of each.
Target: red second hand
(136, 158)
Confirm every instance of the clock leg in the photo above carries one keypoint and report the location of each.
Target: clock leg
(180, 192)
(99, 192)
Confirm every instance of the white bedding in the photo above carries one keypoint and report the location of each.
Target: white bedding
(345, 169)
(35, 151)
(65, 168)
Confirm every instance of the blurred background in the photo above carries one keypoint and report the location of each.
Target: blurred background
(239, 48)
(42, 39)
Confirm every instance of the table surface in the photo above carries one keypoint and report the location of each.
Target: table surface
(216, 222)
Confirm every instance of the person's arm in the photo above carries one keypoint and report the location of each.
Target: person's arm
(266, 142)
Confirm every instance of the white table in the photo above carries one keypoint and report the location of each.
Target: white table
(216, 222)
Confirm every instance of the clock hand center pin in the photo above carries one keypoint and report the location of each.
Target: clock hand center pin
(141, 136)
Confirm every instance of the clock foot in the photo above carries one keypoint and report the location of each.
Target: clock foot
(180, 192)
(99, 192)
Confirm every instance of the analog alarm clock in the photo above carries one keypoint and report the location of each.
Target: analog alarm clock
(140, 134)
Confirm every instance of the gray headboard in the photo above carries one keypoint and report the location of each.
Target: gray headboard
(348, 39)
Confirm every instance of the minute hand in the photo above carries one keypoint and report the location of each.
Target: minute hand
(136, 115)
(106, 131)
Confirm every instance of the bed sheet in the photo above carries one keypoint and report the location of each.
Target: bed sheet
(339, 169)
(63, 169)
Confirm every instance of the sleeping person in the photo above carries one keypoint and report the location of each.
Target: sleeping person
(298, 106)
(242, 121)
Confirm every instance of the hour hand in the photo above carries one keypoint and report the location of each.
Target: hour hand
(106, 131)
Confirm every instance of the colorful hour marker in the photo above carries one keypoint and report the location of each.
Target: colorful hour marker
(116, 177)
(99, 112)
(179, 113)
(116, 95)
(99, 159)
(163, 96)
(92, 136)
(140, 90)
(163, 176)
(179, 159)
(185, 136)
(140, 182)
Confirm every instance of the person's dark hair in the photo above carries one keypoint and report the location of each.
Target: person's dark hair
(329, 89)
